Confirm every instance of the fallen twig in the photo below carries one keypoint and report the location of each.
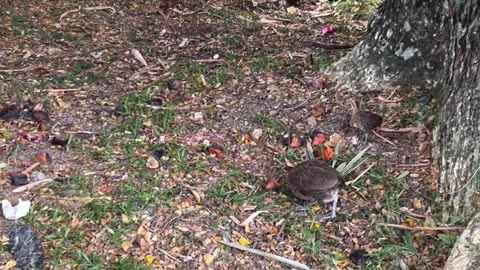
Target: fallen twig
(268, 255)
(415, 215)
(210, 60)
(66, 90)
(383, 138)
(80, 132)
(170, 221)
(251, 218)
(405, 227)
(85, 8)
(360, 175)
(414, 165)
(31, 185)
(29, 169)
(302, 104)
(168, 255)
(15, 70)
(410, 129)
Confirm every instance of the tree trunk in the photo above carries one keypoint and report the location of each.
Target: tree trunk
(458, 124)
(465, 255)
(430, 44)
(403, 47)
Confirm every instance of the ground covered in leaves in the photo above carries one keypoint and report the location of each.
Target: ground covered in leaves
(153, 165)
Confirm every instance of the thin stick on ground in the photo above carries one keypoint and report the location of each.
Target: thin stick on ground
(360, 175)
(29, 169)
(267, 255)
(168, 255)
(67, 90)
(85, 8)
(383, 138)
(405, 227)
(410, 129)
(32, 185)
(413, 165)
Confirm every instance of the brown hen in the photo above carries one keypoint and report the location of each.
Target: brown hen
(315, 180)
(363, 120)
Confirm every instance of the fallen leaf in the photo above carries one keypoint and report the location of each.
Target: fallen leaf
(318, 111)
(317, 84)
(148, 123)
(126, 245)
(327, 30)
(295, 142)
(42, 127)
(292, 10)
(208, 259)
(272, 185)
(325, 152)
(243, 241)
(43, 158)
(139, 57)
(247, 139)
(288, 164)
(257, 133)
(417, 203)
(410, 222)
(196, 195)
(152, 163)
(251, 218)
(429, 222)
(10, 264)
(216, 152)
(125, 219)
(149, 259)
(318, 138)
(335, 140)
(403, 175)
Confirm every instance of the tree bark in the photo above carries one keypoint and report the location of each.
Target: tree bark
(464, 255)
(458, 123)
(403, 47)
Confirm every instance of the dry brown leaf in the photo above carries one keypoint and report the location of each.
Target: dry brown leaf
(257, 133)
(137, 55)
(126, 246)
(152, 163)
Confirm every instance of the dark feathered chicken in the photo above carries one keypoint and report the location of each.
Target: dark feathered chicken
(315, 180)
(365, 121)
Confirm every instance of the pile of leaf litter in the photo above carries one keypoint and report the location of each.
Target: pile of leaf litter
(168, 136)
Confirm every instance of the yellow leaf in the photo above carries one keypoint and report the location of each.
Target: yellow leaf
(125, 219)
(317, 225)
(208, 259)
(243, 241)
(10, 264)
(147, 123)
(292, 10)
(410, 222)
(316, 208)
(356, 9)
(149, 259)
(4, 239)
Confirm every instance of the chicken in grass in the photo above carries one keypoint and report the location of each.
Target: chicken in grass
(314, 180)
(363, 120)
